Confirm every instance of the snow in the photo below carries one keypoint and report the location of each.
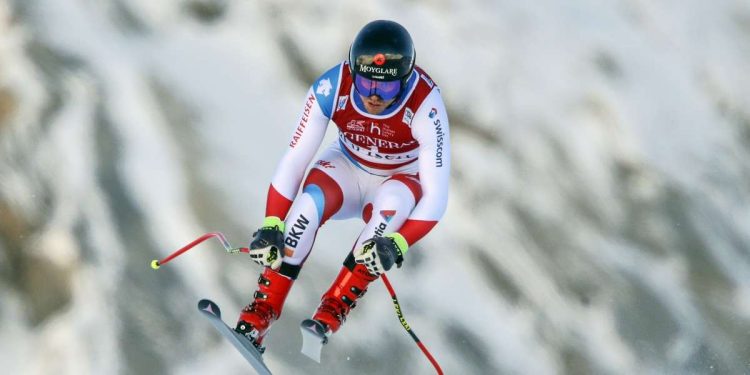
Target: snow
(621, 164)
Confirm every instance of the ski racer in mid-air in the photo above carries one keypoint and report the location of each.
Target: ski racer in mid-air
(390, 166)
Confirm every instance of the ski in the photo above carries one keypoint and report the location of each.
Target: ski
(313, 338)
(248, 350)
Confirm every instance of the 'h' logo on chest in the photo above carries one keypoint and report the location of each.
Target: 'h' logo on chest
(374, 129)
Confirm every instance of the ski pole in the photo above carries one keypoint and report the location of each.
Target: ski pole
(408, 329)
(155, 264)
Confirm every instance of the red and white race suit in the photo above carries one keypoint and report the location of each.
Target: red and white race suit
(391, 169)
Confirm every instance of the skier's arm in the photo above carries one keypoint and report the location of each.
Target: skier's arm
(430, 129)
(305, 140)
(434, 170)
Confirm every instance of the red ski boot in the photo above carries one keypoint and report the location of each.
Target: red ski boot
(257, 317)
(342, 296)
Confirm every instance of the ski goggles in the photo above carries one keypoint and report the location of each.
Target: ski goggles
(386, 90)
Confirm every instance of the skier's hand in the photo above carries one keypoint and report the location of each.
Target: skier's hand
(379, 254)
(267, 246)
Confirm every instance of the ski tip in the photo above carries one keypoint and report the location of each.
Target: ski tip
(317, 328)
(314, 336)
(208, 306)
(155, 264)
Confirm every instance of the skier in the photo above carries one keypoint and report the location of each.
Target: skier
(390, 165)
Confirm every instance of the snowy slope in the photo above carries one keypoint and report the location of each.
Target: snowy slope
(599, 220)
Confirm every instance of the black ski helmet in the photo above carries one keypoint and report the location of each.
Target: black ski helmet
(382, 51)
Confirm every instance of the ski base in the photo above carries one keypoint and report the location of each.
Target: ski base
(248, 350)
(314, 336)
